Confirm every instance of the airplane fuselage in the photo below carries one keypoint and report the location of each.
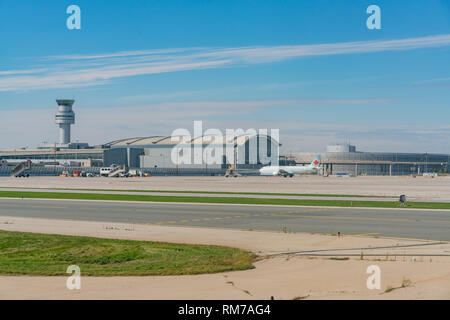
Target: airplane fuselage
(287, 170)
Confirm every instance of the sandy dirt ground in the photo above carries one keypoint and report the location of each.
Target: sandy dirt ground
(420, 188)
(284, 276)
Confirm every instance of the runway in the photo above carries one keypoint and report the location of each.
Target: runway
(418, 224)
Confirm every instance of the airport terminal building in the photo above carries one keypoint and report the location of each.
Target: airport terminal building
(205, 155)
(193, 155)
(344, 159)
(154, 155)
(208, 152)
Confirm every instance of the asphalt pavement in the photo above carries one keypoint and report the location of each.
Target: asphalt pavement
(404, 223)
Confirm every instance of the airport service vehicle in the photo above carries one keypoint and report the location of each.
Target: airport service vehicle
(120, 171)
(289, 171)
(21, 169)
(104, 172)
(231, 172)
(114, 171)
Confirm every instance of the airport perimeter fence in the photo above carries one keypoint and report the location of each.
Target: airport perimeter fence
(56, 171)
(49, 171)
(193, 171)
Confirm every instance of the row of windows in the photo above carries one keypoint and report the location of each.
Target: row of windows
(397, 157)
(57, 156)
(385, 169)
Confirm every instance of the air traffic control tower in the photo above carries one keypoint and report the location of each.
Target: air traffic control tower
(64, 118)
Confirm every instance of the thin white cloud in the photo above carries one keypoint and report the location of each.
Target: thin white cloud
(277, 53)
(14, 72)
(88, 70)
(121, 54)
(96, 76)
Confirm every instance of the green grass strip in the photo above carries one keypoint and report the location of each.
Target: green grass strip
(219, 192)
(233, 200)
(245, 193)
(23, 253)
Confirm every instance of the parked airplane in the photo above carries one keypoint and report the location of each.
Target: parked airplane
(289, 171)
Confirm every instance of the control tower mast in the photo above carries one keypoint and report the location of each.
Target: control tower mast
(64, 118)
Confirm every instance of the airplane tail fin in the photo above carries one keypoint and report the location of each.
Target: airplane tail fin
(316, 162)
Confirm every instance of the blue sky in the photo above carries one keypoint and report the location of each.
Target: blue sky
(310, 68)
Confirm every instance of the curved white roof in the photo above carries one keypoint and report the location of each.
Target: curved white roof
(173, 140)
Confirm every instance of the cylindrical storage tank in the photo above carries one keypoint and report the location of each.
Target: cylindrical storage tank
(341, 148)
